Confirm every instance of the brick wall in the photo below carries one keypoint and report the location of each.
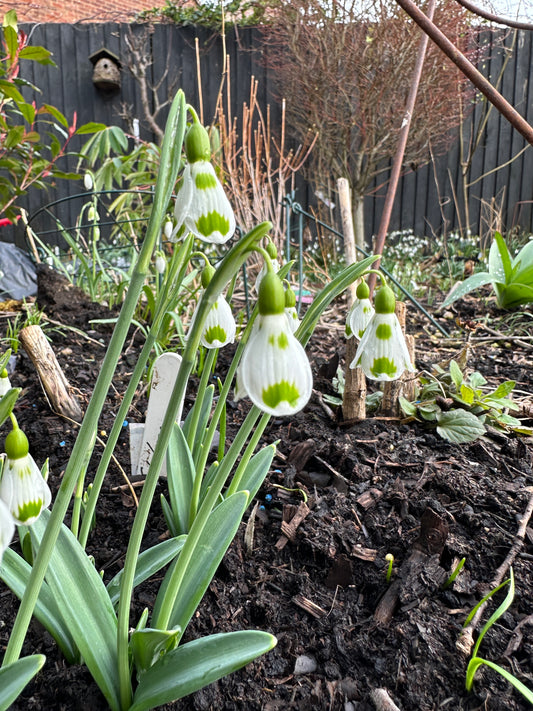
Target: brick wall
(77, 10)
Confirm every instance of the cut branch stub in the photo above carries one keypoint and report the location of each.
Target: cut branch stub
(52, 378)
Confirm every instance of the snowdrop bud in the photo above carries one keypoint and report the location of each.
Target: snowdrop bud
(160, 263)
(167, 230)
(88, 181)
(290, 309)
(22, 487)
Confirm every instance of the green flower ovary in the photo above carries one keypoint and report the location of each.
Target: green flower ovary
(215, 333)
(212, 222)
(382, 366)
(29, 510)
(281, 392)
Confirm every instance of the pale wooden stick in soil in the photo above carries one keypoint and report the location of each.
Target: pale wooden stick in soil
(354, 397)
(50, 374)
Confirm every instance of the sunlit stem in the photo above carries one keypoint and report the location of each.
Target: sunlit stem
(83, 447)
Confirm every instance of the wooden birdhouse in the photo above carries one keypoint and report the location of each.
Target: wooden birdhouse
(106, 72)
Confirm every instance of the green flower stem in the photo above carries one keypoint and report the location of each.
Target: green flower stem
(252, 444)
(228, 267)
(177, 267)
(83, 447)
(209, 362)
(197, 484)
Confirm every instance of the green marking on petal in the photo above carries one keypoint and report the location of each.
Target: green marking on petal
(283, 341)
(29, 510)
(281, 392)
(204, 181)
(384, 331)
(383, 366)
(212, 222)
(215, 333)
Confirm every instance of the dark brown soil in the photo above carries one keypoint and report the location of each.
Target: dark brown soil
(374, 488)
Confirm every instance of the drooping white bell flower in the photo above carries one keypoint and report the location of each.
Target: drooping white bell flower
(22, 487)
(219, 327)
(382, 352)
(361, 312)
(7, 528)
(274, 371)
(201, 204)
(5, 383)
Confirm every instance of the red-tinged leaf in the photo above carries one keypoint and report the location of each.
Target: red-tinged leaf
(12, 43)
(32, 137)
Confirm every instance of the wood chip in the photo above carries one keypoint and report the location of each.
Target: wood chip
(308, 606)
(364, 553)
(369, 498)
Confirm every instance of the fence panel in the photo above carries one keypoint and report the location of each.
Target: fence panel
(426, 196)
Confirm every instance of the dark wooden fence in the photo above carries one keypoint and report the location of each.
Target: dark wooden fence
(427, 198)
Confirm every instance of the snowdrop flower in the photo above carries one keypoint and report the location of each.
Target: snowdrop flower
(290, 309)
(201, 204)
(274, 371)
(361, 312)
(22, 487)
(382, 352)
(5, 383)
(7, 528)
(219, 326)
(88, 181)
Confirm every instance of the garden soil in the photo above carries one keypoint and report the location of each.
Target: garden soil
(308, 563)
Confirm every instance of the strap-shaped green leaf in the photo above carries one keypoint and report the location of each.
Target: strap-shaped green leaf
(462, 288)
(85, 606)
(7, 403)
(180, 478)
(516, 295)
(197, 664)
(204, 404)
(256, 470)
(14, 677)
(523, 265)
(212, 543)
(500, 265)
(15, 572)
(149, 563)
(147, 645)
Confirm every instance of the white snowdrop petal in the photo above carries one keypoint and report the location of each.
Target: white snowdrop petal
(183, 201)
(209, 215)
(382, 352)
(360, 316)
(219, 327)
(24, 490)
(275, 371)
(292, 318)
(7, 528)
